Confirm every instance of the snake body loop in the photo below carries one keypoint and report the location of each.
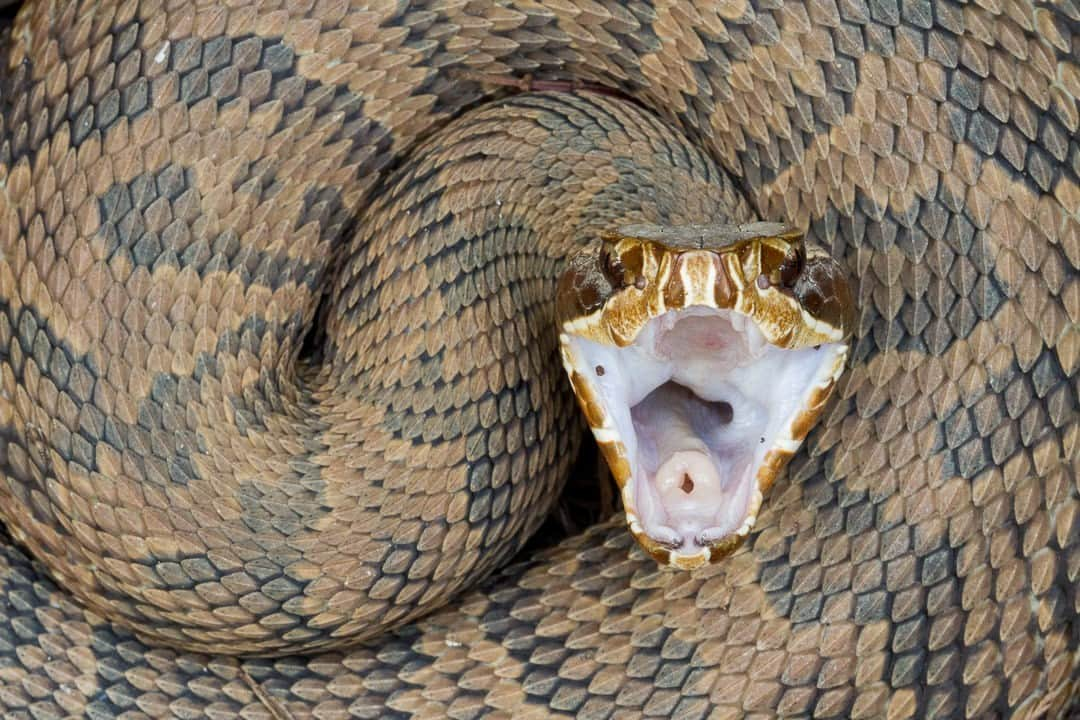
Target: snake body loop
(187, 189)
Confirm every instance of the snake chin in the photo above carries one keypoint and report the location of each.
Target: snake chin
(700, 414)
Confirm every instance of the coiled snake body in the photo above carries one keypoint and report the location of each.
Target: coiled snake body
(176, 183)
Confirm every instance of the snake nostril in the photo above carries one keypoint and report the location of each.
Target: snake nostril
(725, 412)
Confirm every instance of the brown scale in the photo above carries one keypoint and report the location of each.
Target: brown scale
(919, 558)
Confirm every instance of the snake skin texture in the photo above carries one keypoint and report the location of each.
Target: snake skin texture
(177, 180)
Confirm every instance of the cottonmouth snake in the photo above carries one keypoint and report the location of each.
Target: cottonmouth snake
(918, 559)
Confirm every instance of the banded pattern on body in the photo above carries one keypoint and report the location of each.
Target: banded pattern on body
(920, 557)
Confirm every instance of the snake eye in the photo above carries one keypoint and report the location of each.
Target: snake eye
(612, 266)
(787, 273)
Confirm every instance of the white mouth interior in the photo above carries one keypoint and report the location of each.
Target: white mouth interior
(698, 399)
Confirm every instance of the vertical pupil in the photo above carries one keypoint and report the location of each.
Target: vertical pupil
(612, 265)
(790, 267)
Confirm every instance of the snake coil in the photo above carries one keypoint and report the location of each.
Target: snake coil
(183, 183)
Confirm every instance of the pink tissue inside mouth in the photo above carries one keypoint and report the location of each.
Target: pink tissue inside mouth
(697, 476)
(697, 400)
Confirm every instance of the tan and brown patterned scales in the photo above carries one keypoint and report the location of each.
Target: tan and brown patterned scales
(279, 368)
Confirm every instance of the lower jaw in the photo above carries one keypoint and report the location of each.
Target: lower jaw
(688, 560)
(693, 485)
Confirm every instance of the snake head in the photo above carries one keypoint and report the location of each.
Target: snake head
(701, 356)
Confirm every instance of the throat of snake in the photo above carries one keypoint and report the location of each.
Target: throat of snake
(702, 414)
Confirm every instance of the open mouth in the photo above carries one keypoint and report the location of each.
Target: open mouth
(699, 415)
